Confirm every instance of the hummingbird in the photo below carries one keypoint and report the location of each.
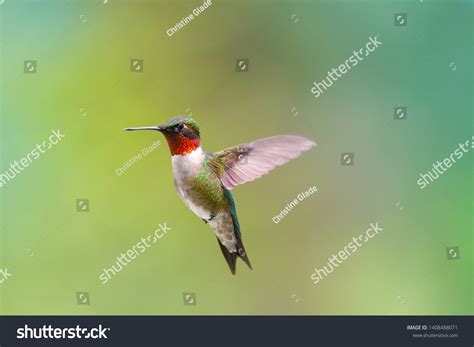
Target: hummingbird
(203, 180)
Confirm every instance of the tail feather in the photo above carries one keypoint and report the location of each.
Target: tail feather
(231, 257)
(241, 250)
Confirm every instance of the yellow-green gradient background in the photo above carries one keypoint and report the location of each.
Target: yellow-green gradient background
(86, 65)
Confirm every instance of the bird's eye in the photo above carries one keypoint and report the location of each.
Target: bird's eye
(180, 127)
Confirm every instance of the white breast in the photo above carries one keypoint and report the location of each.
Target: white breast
(186, 167)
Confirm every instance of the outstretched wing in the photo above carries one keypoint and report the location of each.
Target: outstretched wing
(249, 161)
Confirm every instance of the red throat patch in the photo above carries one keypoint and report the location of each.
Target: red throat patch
(181, 145)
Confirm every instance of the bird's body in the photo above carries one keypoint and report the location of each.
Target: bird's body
(202, 192)
(204, 180)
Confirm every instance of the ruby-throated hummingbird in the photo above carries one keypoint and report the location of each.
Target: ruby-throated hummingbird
(203, 180)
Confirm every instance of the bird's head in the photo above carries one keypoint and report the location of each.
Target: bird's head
(181, 133)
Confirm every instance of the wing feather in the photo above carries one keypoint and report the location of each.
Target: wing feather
(249, 161)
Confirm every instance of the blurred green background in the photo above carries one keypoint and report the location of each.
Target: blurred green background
(85, 87)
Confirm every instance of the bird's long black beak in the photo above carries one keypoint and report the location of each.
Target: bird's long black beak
(155, 127)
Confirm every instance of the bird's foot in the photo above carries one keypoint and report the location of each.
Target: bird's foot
(204, 220)
(211, 217)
